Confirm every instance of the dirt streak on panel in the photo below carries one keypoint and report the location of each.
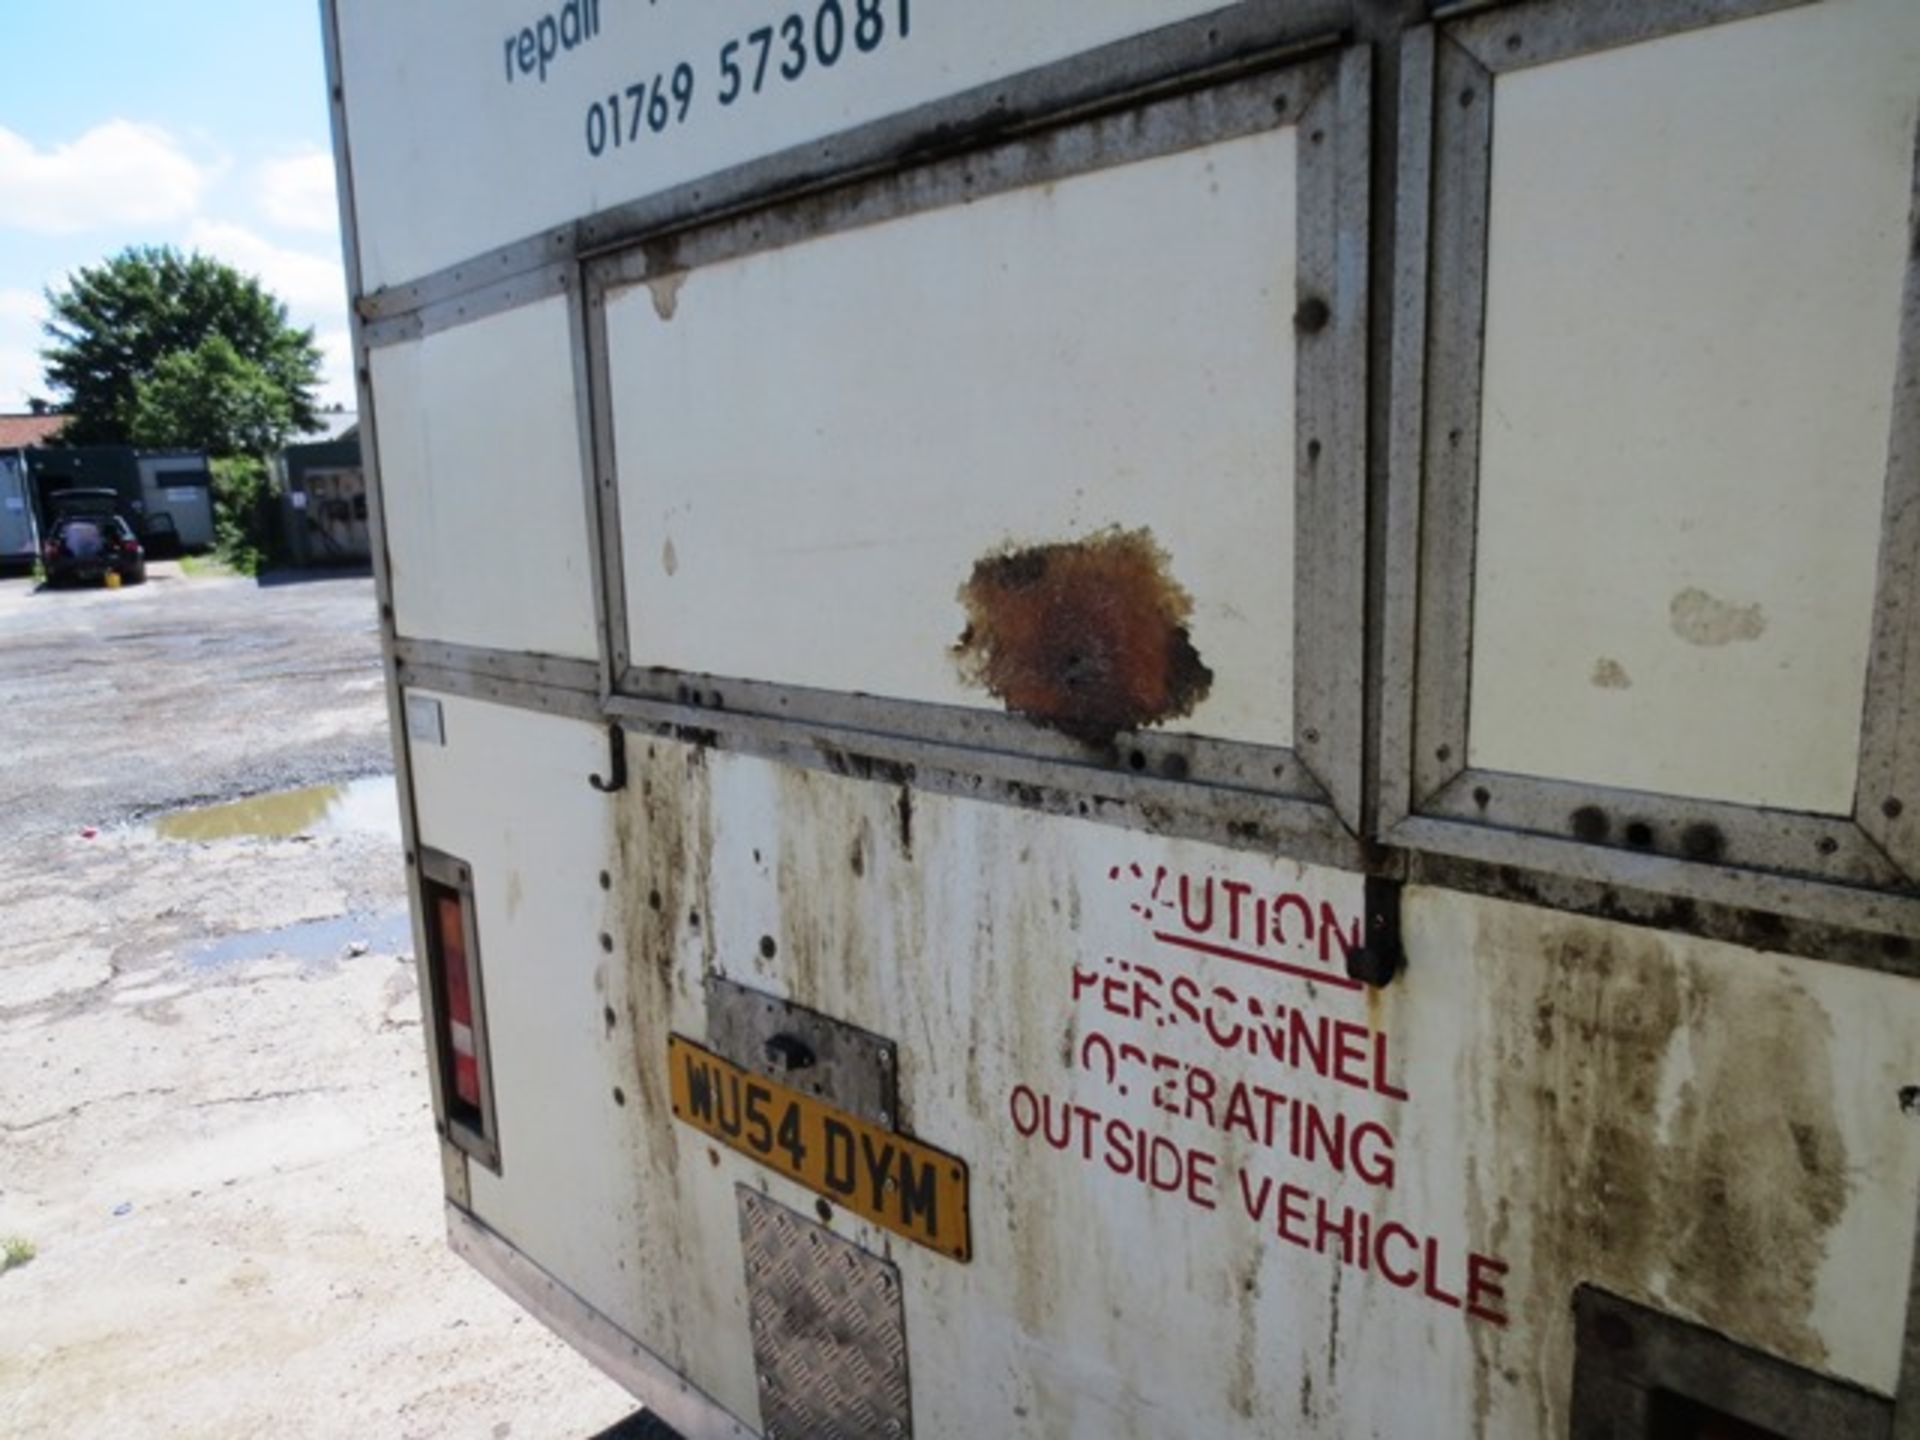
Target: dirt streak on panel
(1088, 637)
(1664, 1125)
(663, 836)
(827, 954)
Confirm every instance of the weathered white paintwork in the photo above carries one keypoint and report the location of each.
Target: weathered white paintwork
(486, 530)
(1111, 350)
(1696, 256)
(1678, 1120)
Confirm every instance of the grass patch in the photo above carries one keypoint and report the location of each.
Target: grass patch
(206, 565)
(15, 1251)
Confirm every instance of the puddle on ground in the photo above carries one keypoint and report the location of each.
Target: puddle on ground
(314, 942)
(357, 807)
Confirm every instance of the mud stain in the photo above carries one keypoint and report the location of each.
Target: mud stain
(1702, 619)
(669, 558)
(1667, 1123)
(1088, 637)
(665, 290)
(1610, 674)
(663, 838)
(830, 955)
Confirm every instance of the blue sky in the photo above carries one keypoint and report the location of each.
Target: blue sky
(199, 123)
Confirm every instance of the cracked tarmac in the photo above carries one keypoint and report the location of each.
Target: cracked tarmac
(228, 1169)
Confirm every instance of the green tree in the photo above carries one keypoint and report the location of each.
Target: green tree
(115, 323)
(210, 398)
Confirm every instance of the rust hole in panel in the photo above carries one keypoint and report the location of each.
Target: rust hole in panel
(1088, 637)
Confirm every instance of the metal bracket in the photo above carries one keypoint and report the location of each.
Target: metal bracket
(850, 1068)
(616, 777)
(1381, 956)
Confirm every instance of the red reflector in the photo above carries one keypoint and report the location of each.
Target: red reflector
(452, 936)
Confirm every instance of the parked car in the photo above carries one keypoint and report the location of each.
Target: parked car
(89, 547)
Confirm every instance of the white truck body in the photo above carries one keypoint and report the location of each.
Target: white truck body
(1129, 718)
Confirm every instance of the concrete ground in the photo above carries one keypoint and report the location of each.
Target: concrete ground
(214, 1129)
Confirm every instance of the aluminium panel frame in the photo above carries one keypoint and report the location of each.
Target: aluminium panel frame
(1862, 869)
(1327, 98)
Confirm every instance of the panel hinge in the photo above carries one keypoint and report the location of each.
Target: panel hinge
(1381, 956)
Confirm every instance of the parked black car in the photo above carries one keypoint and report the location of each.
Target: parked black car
(90, 546)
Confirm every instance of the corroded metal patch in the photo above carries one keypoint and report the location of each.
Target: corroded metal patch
(1088, 637)
(829, 1333)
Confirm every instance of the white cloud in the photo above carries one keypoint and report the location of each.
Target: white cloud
(336, 368)
(118, 173)
(297, 193)
(20, 340)
(313, 286)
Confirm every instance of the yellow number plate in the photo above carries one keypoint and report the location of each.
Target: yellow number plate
(910, 1188)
